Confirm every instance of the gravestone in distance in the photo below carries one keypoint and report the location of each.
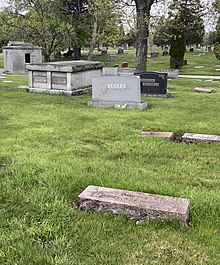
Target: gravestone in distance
(104, 51)
(153, 84)
(165, 51)
(112, 58)
(124, 65)
(154, 53)
(120, 51)
(138, 205)
(172, 74)
(116, 91)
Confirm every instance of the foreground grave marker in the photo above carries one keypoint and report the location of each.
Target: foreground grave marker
(193, 138)
(138, 205)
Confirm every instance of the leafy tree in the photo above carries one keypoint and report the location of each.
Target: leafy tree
(105, 15)
(162, 35)
(217, 36)
(130, 37)
(45, 23)
(183, 14)
(75, 13)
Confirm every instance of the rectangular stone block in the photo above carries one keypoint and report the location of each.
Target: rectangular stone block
(138, 205)
(153, 83)
(191, 138)
(202, 90)
(167, 135)
(116, 91)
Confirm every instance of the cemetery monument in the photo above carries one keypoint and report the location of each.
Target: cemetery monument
(17, 55)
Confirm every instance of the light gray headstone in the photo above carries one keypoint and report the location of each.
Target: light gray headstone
(116, 91)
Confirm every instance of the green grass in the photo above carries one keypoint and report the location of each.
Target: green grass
(197, 58)
(52, 147)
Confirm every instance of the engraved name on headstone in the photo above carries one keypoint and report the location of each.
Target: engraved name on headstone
(153, 83)
(116, 91)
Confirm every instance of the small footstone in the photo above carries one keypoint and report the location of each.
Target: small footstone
(138, 205)
(167, 135)
(202, 90)
(192, 138)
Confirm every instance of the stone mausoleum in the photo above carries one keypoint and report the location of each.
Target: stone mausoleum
(19, 54)
(66, 77)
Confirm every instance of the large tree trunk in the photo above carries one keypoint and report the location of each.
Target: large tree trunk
(143, 17)
(77, 52)
(94, 36)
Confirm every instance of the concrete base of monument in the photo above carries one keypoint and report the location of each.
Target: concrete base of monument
(157, 95)
(117, 105)
(60, 92)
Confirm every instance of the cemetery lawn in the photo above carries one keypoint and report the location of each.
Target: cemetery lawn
(53, 147)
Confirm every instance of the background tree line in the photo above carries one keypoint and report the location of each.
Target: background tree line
(58, 25)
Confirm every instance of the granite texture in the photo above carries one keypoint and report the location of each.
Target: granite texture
(167, 135)
(138, 205)
(116, 91)
(192, 138)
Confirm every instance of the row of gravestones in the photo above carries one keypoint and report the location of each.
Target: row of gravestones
(122, 87)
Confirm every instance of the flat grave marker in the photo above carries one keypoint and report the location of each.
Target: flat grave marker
(138, 205)
(193, 138)
(199, 66)
(202, 90)
(166, 135)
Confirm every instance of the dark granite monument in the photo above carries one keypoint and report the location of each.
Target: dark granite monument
(153, 84)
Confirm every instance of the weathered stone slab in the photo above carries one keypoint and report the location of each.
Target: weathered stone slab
(138, 205)
(202, 90)
(62, 77)
(167, 135)
(191, 138)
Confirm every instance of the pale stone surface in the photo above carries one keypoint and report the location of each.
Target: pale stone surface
(17, 55)
(138, 205)
(63, 77)
(172, 74)
(191, 138)
(116, 91)
(166, 135)
(202, 90)
(110, 71)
